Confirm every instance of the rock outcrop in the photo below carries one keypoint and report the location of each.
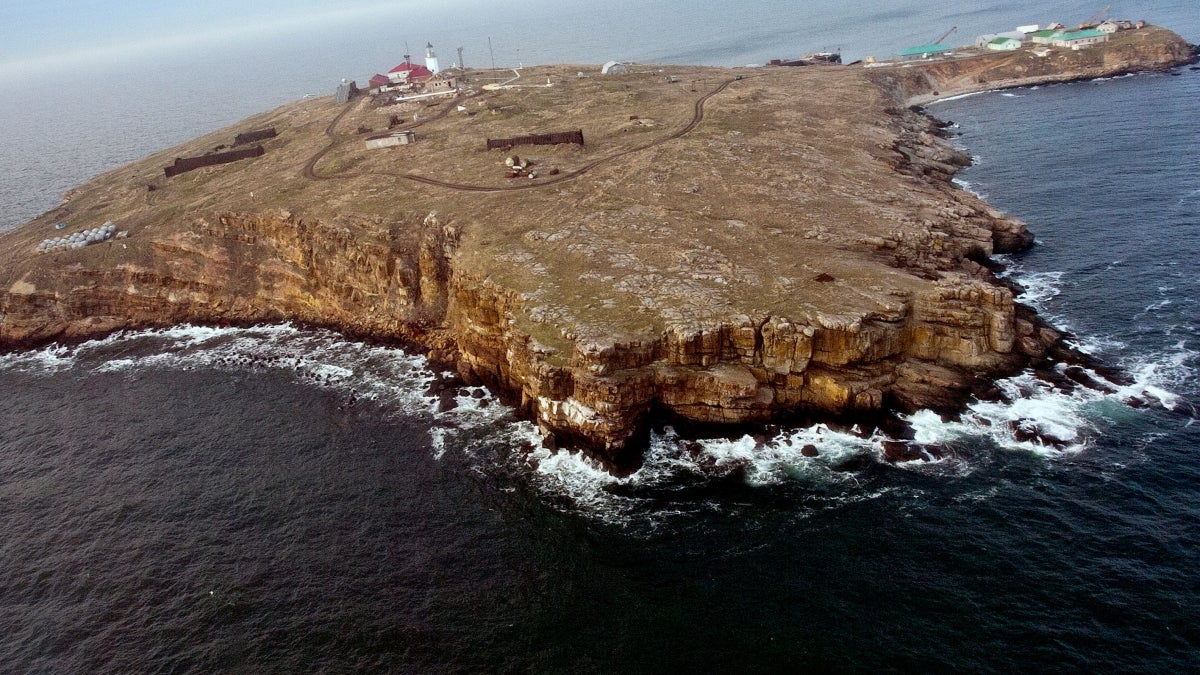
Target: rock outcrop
(780, 255)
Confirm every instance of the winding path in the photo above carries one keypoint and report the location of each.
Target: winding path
(310, 172)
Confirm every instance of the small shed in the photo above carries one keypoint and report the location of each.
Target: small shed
(614, 68)
(1002, 44)
(391, 140)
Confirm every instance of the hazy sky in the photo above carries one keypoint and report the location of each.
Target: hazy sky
(52, 31)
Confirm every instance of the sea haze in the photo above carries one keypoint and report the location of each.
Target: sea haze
(276, 499)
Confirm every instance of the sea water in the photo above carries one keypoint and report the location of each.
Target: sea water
(281, 499)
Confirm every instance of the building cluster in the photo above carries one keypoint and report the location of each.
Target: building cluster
(1053, 35)
(409, 81)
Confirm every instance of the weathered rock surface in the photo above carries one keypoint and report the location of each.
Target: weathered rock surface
(791, 252)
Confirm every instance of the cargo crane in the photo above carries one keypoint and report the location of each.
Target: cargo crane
(1099, 16)
(943, 36)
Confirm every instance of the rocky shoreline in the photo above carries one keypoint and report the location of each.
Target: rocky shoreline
(776, 255)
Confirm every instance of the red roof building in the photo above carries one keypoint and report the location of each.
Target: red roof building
(380, 81)
(409, 71)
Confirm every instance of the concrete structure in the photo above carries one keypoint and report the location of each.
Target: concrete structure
(431, 59)
(255, 136)
(345, 91)
(440, 84)
(1001, 44)
(1080, 39)
(1031, 28)
(614, 68)
(923, 52)
(391, 140)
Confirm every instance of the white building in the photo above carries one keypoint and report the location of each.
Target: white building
(431, 60)
(1004, 44)
(1080, 39)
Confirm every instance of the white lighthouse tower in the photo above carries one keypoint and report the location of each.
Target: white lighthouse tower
(431, 61)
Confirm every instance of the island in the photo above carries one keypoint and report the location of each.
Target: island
(720, 246)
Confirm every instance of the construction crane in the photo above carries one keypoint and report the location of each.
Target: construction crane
(1095, 19)
(943, 36)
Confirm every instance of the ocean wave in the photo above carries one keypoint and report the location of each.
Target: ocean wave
(679, 476)
(968, 185)
(381, 374)
(1039, 287)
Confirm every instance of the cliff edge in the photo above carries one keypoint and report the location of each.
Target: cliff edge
(727, 246)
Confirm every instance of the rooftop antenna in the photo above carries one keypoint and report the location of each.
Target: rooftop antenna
(407, 55)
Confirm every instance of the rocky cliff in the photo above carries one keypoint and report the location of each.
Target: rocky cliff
(763, 253)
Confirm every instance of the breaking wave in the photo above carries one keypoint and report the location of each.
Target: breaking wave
(819, 466)
(363, 372)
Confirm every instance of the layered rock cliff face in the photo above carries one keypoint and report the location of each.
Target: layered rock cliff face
(387, 280)
(776, 261)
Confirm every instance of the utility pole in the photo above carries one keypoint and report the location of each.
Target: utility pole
(491, 52)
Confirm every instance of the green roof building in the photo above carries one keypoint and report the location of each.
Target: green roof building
(1044, 37)
(1004, 44)
(922, 52)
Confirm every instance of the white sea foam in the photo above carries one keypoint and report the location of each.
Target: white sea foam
(673, 463)
(1095, 344)
(387, 375)
(46, 360)
(1038, 418)
(968, 186)
(1040, 287)
(1042, 419)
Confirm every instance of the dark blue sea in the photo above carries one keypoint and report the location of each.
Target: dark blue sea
(276, 499)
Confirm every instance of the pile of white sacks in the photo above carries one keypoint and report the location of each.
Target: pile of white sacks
(79, 239)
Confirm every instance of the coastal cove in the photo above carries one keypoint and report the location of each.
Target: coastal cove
(258, 494)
